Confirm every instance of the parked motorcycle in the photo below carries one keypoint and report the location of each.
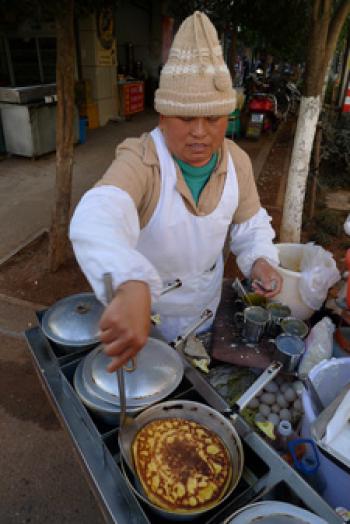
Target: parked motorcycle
(262, 110)
(266, 107)
(294, 97)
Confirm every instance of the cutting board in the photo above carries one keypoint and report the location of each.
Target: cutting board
(226, 343)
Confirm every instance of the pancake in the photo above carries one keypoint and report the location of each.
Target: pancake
(182, 466)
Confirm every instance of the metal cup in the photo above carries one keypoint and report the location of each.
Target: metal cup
(289, 350)
(294, 326)
(252, 322)
(277, 312)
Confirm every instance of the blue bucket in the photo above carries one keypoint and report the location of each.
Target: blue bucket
(82, 130)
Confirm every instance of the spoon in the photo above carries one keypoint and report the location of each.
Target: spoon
(126, 423)
(240, 288)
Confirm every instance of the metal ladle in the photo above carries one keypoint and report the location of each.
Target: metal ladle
(107, 279)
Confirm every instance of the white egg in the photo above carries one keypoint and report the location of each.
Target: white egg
(290, 395)
(276, 408)
(272, 387)
(268, 398)
(298, 387)
(284, 386)
(281, 400)
(253, 404)
(297, 405)
(274, 418)
(259, 418)
(264, 409)
(285, 414)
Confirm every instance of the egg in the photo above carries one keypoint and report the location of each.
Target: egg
(274, 418)
(281, 400)
(276, 408)
(253, 404)
(272, 387)
(285, 414)
(264, 409)
(284, 386)
(298, 387)
(290, 394)
(268, 398)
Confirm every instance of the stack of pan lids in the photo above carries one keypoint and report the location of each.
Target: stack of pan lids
(158, 371)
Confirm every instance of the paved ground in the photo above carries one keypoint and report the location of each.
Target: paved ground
(41, 480)
(28, 185)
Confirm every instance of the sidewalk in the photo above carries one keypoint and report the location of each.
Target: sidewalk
(27, 186)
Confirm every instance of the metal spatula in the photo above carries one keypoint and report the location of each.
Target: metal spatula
(127, 425)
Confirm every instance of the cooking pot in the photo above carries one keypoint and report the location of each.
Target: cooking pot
(159, 370)
(273, 512)
(204, 415)
(72, 323)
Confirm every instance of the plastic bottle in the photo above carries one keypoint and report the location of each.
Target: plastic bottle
(308, 465)
(284, 434)
(319, 346)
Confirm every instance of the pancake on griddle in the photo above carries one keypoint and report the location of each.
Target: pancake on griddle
(182, 465)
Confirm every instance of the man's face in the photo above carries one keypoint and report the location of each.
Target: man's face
(193, 139)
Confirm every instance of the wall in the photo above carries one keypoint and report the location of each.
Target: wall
(141, 25)
(103, 78)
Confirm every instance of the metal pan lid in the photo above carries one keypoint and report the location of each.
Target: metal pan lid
(73, 321)
(91, 401)
(159, 370)
(272, 512)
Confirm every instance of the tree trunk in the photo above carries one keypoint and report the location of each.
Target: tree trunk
(324, 33)
(299, 167)
(233, 52)
(64, 134)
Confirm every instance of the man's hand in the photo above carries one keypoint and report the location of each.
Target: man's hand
(125, 323)
(266, 279)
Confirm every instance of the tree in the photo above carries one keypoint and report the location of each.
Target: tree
(63, 12)
(326, 22)
(65, 62)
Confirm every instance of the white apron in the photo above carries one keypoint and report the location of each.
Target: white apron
(182, 245)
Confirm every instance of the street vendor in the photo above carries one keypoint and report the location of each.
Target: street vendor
(170, 201)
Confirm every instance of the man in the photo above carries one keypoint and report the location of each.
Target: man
(168, 202)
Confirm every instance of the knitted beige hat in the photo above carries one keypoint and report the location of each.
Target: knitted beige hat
(195, 81)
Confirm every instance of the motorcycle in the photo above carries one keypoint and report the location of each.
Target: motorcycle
(263, 114)
(294, 96)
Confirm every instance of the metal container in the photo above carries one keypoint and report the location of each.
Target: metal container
(159, 370)
(272, 512)
(288, 351)
(209, 418)
(73, 322)
(26, 94)
(103, 411)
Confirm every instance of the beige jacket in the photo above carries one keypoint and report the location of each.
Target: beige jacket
(136, 171)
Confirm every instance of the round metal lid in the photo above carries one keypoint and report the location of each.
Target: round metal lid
(158, 372)
(272, 512)
(92, 402)
(73, 321)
